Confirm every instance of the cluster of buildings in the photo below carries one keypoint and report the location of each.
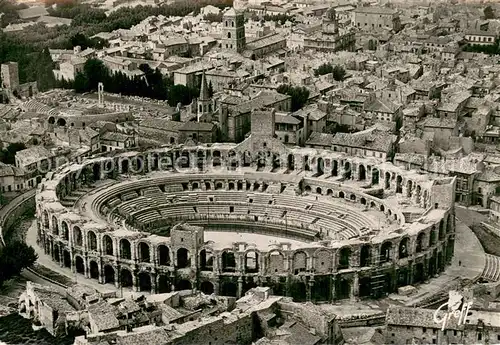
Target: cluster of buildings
(181, 317)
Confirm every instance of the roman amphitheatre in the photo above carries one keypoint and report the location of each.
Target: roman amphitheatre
(315, 225)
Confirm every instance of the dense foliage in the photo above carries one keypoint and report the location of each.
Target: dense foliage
(8, 12)
(15, 257)
(489, 13)
(338, 71)
(299, 95)
(8, 155)
(151, 85)
(493, 49)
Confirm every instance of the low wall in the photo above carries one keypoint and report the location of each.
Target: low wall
(9, 215)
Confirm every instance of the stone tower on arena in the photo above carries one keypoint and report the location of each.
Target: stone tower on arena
(233, 31)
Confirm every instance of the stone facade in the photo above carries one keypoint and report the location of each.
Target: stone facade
(361, 261)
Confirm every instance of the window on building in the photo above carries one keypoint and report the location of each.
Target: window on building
(479, 336)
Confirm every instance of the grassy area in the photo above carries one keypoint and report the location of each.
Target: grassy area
(48, 273)
(16, 330)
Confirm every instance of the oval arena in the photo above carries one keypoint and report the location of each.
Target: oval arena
(312, 224)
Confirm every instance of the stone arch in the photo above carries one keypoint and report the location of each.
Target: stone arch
(343, 288)
(79, 265)
(364, 287)
(126, 278)
(94, 270)
(107, 244)
(231, 186)
(183, 259)
(219, 185)
(251, 262)
(144, 281)
(91, 241)
(335, 168)
(363, 201)
(344, 258)
(375, 176)
(125, 249)
(163, 255)
(341, 195)
(365, 256)
(291, 162)
(109, 274)
(409, 188)
(61, 122)
(432, 237)
(276, 261)
(228, 261)
(55, 226)
(404, 248)
(308, 189)
(124, 165)
(299, 262)
(183, 284)
(144, 252)
(66, 258)
(195, 185)
(387, 180)
(441, 230)
(399, 184)
(207, 287)
(323, 261)
(164, 285)
(329, 192)
(77, 235)
(318, 190)
(362, 172)
(56, 252)
(306, 163)
(353, 197)
(386, 252)
(65, 230)
(45, 219)
(320, 166)
(206, 260)
(229, 288)
(347, 170)
(420, 242)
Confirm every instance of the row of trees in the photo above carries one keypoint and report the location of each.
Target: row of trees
(299, 94)
(15, 257)
(152, 84)
(493, 49)
(326, 68)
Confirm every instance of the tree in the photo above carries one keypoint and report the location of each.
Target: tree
(338, 73)
(15, 257)
(210, 89)
(299, 95)
(323, 69)
(489, 13)
(9, 154)
(95, 72)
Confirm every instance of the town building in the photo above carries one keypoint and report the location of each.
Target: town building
(374, 18)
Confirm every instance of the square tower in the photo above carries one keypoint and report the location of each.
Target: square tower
(10, 75)
(233, 31)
